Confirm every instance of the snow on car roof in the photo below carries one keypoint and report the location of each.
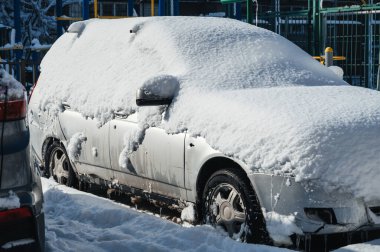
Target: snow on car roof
(210, 53)
(250, 93)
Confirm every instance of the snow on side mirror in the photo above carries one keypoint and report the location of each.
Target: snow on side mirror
(156, 91)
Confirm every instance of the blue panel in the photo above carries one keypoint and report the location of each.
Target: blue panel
(130, 8)
(85, 10)
(58, 13)
(161, 7)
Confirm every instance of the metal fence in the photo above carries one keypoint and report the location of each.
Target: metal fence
(353, 32)
(24, 71)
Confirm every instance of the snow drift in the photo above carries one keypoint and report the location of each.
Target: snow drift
(250, 93)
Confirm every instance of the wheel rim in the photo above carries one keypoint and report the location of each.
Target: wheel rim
(60, 165)
(227, 209)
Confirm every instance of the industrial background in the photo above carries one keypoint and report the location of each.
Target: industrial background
(351, 28)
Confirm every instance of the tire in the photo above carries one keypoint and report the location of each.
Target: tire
(57, 165)
(229, 202)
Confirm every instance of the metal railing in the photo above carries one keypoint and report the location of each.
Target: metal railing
(353, 32)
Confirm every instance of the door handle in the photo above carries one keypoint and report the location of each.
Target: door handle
(120, 114)
(65, 105)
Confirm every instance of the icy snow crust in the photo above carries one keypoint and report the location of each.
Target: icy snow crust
(250, 93)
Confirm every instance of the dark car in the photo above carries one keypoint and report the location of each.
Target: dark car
(22, 225)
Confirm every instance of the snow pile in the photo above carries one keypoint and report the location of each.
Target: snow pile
(278, 110)
(372, 246)
(280, 227)
(78, 221)
(75, 145)
(10, 202)
(188, 213)
(15, 88)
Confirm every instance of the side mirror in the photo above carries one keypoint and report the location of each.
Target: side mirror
(146, 98)
(159, 90)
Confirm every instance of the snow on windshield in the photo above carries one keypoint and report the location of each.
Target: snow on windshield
(250, 93)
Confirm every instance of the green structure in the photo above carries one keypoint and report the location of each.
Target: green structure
(352, 31)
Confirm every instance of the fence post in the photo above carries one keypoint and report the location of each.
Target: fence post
(58, 13)
(161, 7)
(328, 56)
(316, 17)
(85, 9)
(249, 11)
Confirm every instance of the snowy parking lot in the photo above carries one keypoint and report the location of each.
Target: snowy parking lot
(79, 221)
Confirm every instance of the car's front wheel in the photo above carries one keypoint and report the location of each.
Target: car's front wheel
(229, 202)
(57, 164)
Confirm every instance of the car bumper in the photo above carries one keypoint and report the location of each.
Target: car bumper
(315, 211)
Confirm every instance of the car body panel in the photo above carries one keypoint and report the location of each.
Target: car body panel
(94, 150)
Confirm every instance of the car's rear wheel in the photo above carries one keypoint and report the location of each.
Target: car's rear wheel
(230, 203)
(58, 165)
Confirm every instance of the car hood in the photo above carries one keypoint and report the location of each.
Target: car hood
(328, 134)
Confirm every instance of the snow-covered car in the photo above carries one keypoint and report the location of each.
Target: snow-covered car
(22, 225)
(232, 119)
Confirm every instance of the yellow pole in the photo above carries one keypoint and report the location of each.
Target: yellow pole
(152, 8)
(95, 8)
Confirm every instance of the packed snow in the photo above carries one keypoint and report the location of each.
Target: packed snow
(10, 202)
(250, 93)
(78, 221)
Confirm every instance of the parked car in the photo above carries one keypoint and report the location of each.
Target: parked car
(262, 139)
(22, 225)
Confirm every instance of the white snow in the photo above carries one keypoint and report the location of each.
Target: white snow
(15, 88)
(78, 221)
(280, 227)
(10, 202)
(75, 145)
(337, 70)
(372, 246)
(249, 92)
(188, 213)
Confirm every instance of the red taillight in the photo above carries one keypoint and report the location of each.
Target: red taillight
(12, 110)
(15, 214)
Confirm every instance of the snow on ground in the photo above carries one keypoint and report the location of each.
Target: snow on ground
(279, 110)
(372, 246)
(78, 221)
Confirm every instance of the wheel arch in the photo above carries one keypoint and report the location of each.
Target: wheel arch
(46, 144)
(212, 165)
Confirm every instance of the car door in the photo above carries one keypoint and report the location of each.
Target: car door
(89, 144)
(151, 160)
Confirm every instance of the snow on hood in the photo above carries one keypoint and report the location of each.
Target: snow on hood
(250, 93)
(328, 134)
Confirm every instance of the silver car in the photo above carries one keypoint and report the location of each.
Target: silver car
(121, 151)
